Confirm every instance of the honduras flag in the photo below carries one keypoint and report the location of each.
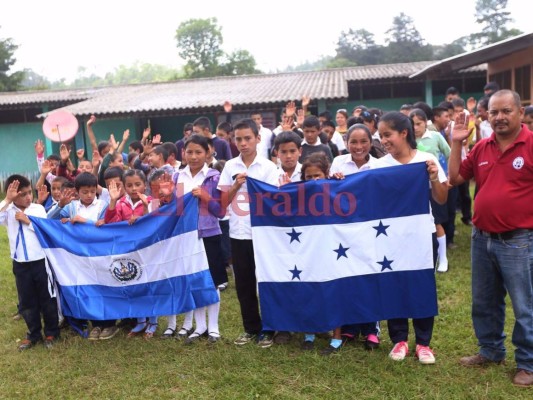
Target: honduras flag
(156, 266)
(336, 252)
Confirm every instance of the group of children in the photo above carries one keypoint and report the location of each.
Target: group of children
(300, 149)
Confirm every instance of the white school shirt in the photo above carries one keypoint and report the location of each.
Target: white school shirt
(347, 166)
(239, 210)
(420, 156)
(338, 141)
(188, 181)
(485, 129)
(264, 144)
(23, 243)
(296, 175)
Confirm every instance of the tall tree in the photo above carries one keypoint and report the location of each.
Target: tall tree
(199, 42)
(240, 62)
(405, 43)
(358, 47)
(9, 82)
(493, 17)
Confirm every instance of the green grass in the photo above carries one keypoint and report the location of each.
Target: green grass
(135, 368)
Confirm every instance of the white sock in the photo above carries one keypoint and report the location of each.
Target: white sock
(443, 260)
(187, 321)
(171, 322)
(199, 318)
(212, 316)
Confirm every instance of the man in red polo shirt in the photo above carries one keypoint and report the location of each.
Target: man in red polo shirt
(502, 238)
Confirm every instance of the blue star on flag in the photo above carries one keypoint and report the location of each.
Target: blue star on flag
(381, 229)
(385, 264)
(294, 235)
(341, 251)
(295, 273)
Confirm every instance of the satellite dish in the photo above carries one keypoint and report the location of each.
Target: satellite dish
(60, 126)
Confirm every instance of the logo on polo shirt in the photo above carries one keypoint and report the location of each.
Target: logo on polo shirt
(518, 163)
(125, 270)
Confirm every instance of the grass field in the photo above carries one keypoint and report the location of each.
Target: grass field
(134, 368)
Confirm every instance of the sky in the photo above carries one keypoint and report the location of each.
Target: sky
(56, 37)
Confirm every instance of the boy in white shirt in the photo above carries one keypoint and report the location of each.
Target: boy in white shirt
(34, 283)
(233, 185)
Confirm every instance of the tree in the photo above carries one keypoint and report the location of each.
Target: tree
(199, 42)
(358, 48)
(240, 62)
(34, 81)
(405, 44)
(492, 16)
(8, 82)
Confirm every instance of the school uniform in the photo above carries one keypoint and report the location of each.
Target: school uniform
(399, 327)
(345, 164)
(33, 278)
(296, 175)
(240, 233)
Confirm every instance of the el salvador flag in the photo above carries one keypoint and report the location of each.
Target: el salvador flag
(156, 266)
(336, 252)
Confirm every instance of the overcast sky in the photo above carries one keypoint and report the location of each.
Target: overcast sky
(58, 36)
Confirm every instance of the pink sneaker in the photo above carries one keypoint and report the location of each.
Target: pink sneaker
(371, 342)
(399, 351)
(424, 354)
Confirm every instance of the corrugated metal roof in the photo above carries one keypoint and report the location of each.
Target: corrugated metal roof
(482, 55)
(212, 92)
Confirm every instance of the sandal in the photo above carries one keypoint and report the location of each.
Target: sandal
(150, 330)
(183, 333)
(168, 334)
(138, 329)
(194, 337)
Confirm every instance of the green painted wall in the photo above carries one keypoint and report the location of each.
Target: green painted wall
(17, 140)
(17, 154)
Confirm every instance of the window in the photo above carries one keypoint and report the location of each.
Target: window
(503, 79)
(522, 81)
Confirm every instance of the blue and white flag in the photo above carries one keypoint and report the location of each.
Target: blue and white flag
(336, 252)
(156, 266)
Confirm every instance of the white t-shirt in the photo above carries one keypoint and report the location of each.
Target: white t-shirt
(485, 130)
(239, 210)
(347, 166)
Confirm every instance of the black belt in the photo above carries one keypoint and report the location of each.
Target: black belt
(504, 235)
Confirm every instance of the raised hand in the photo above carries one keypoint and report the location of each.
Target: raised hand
(114, 191)
(42, 194)
(287, 124)
(66, 197)
(113, 143)
(12, 191)
(80, 153)
(156, 139)
(300, 117)
(46, 167)
(305, 101)
(91, 120)
(126, 135)
(460, 128)
(146, 133)
(39, 148)
(97, 159)
(290, 109)
(228, 106)
(64, 153)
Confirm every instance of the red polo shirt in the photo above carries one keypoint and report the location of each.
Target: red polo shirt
(504, 200)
